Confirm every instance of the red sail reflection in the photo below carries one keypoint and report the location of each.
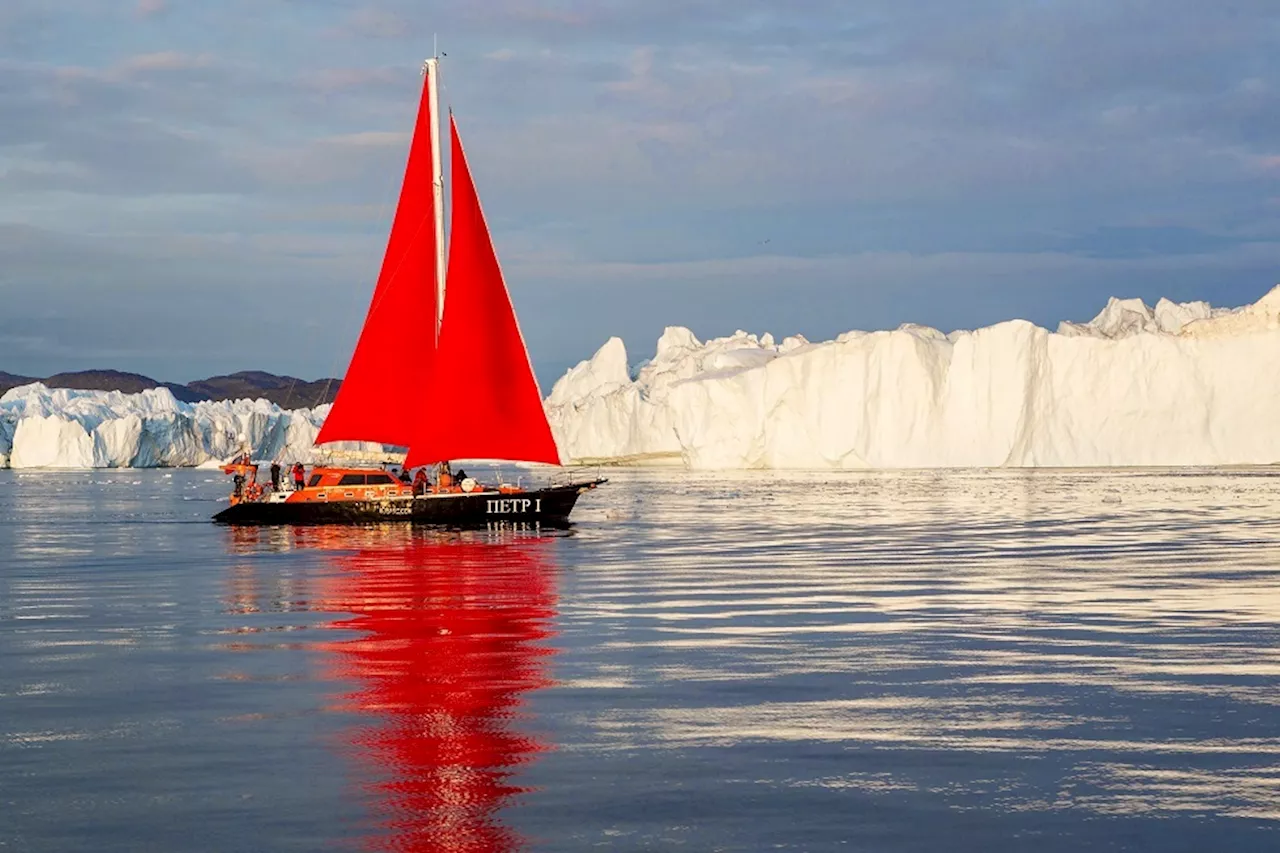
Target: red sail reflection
(452, 633)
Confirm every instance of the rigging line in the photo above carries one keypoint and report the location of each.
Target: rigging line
(289, 396)
(442, 84)
(324, 395)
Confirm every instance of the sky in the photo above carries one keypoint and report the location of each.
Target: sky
(190, 188)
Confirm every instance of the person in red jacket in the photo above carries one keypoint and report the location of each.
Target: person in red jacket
(299, 476)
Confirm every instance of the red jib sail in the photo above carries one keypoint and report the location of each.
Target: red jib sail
(382, 394)
(485, 402)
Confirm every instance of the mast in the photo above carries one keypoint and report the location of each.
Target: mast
(431, 68)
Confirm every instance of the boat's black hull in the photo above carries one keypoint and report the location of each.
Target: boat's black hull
(549, 506)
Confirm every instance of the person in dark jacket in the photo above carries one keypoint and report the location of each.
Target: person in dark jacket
(275, 476)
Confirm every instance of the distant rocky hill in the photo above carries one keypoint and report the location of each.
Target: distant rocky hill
(285, 391)
(13, 380)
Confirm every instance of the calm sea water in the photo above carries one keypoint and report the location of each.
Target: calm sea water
(1005, 660)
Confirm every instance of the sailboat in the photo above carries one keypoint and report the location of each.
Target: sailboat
(446, 378)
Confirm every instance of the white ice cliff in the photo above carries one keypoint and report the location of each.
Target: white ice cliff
(1183, 384)
(60, 428)
(1180, 384)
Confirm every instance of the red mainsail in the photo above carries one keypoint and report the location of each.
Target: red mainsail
(383, 392)
(485, 399)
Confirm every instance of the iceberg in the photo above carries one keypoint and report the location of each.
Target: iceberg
(1180, 384)
(1177, 384)
(42, 427)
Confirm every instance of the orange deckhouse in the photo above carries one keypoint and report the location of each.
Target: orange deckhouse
(350, 484)
(466, 348)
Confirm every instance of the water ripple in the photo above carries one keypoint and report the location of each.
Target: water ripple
(970, 660)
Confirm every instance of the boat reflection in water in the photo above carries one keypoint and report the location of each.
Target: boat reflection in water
(450, 631)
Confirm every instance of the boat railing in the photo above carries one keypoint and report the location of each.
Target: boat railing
(536, 479)
(358, 456)
(576, 474)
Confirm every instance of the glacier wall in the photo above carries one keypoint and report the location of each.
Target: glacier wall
(1180, 384)
(1177, 384)
(61, 428)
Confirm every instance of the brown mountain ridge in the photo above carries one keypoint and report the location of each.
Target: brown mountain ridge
(288, 392)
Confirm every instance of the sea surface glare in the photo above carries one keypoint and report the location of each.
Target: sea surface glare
(898, 661)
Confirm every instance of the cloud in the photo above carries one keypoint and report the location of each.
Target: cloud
(366, 158)
(533, 11)
(121, 157)
(151, 8)
(168, 60)
(935, 161)
(144, 124)
(376, 22)
(333, 80)
(93, 301)
(368, 139)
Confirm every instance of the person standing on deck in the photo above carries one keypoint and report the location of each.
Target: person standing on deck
(420, 482)
(275, 476)
(299, 476)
